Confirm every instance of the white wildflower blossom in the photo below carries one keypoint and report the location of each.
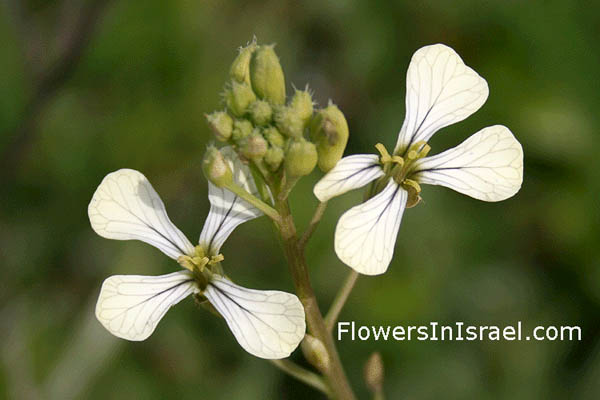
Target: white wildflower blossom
(268, 324)
(440, 90)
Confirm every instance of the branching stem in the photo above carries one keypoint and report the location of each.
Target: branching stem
(340, 300)
(314, 222)
(255, 201)
(302, 374)
(335, 375)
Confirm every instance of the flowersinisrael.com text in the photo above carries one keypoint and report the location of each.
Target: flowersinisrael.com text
(459, 331)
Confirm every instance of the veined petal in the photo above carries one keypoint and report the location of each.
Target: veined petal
(227, 210)
(487, 166)
(130, 306)
(266, 323)
(365, 235)
(349, 173)
(125, 206)
(440, 90)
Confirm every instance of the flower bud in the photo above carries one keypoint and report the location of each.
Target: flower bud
(374, 373)
(240, 69)
(300, 158)
(329, 130)
(239, 97)
(253, 146)
(241, 129)
(266, 75)
(315, 352)
(221, 124)
(216, 169)
(261, 112)
(288, 122)
(273, 136)
(302, 104)
(274, 157)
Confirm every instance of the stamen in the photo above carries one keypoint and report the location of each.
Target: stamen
(418, 146)
(424, 151)
(199, 261)
(398, 160)
(412, 185)
(414, 189)
(216, 259)
(186, 262)
(385, 156)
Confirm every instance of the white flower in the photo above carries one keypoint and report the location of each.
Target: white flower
(268, 324)
(440, 90)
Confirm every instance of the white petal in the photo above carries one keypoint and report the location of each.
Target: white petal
(440, 90)
(487, 166)
(227, 210)
(130, 306)
(365, 235)
(349, 173)
(125, 206)
(266, 323)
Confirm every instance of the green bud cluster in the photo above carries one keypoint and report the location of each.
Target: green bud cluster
(283, 137)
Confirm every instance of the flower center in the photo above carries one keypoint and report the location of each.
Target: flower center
(399, 168)
(202, 265)
(198, 261)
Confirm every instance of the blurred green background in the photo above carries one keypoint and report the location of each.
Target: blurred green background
(87, 87)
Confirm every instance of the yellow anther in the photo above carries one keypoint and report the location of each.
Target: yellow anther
(417, 146)
(424, 150)
(200, 262)
(385, 156)
(216, 259)
(412, 185)
(398, 160)
(414, 189)
(412, 155)
(186, 262)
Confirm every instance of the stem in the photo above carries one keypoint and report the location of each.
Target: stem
(314, 222)
(287, 184)
(303, 375)
(378, 395)
(260, 166)
(340, 300)
(335, 374)
(256, 202)
(261, 184)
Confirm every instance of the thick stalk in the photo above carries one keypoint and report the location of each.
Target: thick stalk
(335, 374)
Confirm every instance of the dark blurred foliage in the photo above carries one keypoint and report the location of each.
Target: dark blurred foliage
(90, 87)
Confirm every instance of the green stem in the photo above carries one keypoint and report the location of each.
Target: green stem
(314, 222)
(287, 184)
(256, 202)
(310, 378)
(260, 166)
(378, 395)
(340, 300)
(335, 375)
